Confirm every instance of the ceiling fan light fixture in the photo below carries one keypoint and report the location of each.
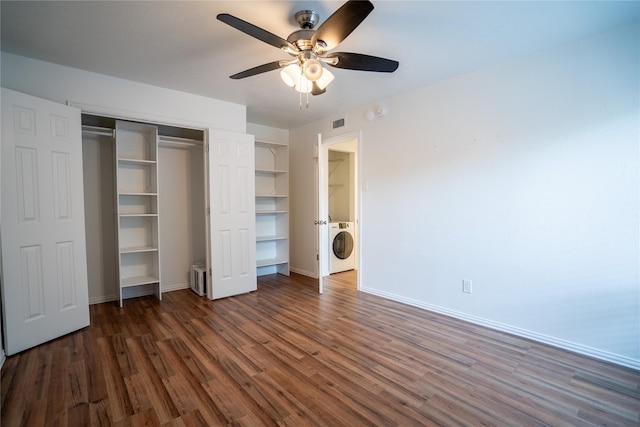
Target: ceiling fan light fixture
(304, 85)
(325, 79)
(290, 74)
(312, 69)
(293, 77)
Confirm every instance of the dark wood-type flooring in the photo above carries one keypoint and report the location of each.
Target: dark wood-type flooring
(285, 355)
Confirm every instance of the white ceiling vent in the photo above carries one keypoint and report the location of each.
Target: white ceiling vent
(338, 123)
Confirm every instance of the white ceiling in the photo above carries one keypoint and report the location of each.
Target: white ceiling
(181, 45)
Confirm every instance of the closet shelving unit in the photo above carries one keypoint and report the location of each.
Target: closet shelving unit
(333, 165)
(272, 207)
(136, 158)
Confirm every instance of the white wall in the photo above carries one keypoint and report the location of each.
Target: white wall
(99, 213)
(142, 101)
(268, 133)
(182, 219)
(522, 178)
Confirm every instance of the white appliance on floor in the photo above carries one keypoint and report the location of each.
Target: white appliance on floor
(341, 247)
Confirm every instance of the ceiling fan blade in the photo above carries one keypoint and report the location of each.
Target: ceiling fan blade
(315, 90)
(359, 61)
(256, 32)
(257, 70)
(339, 25)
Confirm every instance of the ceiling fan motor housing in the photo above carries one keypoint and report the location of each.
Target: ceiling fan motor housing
(301, 39)
(307, 19)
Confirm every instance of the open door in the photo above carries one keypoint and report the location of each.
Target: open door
(232, 220)
(323, 214)
(44, 266)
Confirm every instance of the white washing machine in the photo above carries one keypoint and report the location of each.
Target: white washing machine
(341, 247)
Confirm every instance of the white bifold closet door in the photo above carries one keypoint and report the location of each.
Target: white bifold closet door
(44, 269)
(233, 221)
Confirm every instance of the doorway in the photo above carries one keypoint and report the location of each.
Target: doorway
(339, 249)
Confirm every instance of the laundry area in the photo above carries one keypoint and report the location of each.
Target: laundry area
(342, 211)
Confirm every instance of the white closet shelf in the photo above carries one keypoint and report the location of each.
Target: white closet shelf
(136, 183)
(136, 161)
(138, 249)
(270, 171)
(148, 190)
(139, 193)
(272, 207)
(175, 140)
(270, 261)
(126, 282)
(269, 144)
(270, 238)
(270, 212)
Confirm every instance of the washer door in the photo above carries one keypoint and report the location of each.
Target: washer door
(343, 245)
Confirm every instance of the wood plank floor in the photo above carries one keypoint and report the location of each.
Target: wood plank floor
(286, 356)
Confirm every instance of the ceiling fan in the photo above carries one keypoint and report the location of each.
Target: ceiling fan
(310, 48)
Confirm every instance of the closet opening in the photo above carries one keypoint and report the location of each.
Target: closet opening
(145, 207)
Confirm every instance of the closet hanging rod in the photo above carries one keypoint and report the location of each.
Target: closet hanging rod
(97, 130)
(174, 140)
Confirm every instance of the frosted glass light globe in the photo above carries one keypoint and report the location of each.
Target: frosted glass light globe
(312, 70)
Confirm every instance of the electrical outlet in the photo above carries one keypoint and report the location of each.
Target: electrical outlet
(466, 286)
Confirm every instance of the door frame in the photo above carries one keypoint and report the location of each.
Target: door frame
(322, 205)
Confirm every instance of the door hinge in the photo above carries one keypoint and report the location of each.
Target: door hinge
(208, 211)
(206, 148)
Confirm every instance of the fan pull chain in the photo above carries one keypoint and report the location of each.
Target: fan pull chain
(307, 103)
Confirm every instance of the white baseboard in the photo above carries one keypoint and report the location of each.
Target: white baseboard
(544, 339)
(135, 292)
(103, 298)
(304, 272)
(175, 287)
(131, 293)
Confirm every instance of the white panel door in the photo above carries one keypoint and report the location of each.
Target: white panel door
(45, 293)
(232, 218)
